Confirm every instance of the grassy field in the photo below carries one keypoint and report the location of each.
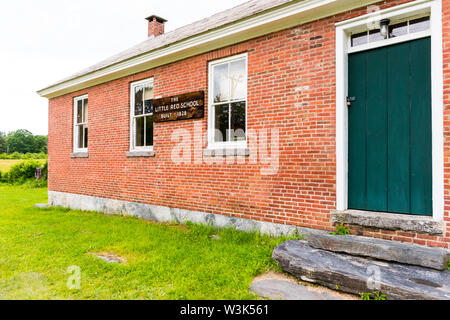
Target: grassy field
(6, 164)
(161, 261)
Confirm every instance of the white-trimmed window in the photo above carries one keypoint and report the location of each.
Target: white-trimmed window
(142, 115)
(228, 102)
(80, 135)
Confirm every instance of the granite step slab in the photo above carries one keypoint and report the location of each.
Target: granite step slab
(358, 275)
(276, 289)
(435, 258)
(389, 221)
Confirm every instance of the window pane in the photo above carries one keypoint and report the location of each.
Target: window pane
(148, 104)
(398, 29)
(148, 92)
(85, 112)
(148, 100)
(238, 81)
(420, 24)
(79, 111)
(85, 136)
(221, 122)
(138, 100)
(80, 137)
(238, 121)
(359, 39)
(375, 35)
(149, 131)
(221, 83)
(139, 132)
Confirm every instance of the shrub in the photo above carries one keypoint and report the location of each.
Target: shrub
(16, 155)
(21, 172)
(26, 156)
(40, 155)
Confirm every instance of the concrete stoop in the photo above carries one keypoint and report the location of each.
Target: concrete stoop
(353, 274)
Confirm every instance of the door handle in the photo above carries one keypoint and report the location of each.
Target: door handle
(350, 100)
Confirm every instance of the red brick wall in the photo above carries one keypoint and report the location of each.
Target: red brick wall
(291, 86)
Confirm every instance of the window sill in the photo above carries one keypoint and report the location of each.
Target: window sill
(140, 154)
(227, 152)
(79, 155)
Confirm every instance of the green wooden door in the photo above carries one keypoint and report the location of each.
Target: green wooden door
(389, 134)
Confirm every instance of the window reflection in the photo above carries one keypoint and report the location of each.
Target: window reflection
(138, 101)
(238, 121)
(221, 122)
(221, 83)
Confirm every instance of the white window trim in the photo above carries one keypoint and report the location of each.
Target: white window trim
(212, 144)
(75, 124)
(133, 85)
(343, 29)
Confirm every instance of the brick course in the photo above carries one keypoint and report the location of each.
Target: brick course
(291, 86)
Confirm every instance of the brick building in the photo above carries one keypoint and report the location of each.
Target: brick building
(272, 115)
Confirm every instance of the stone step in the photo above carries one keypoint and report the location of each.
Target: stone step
(435, 258)
(389, 221)
(358, 275)
(276, 289)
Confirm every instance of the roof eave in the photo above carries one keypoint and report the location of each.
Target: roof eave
(272, 20)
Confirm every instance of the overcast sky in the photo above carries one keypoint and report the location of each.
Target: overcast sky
(47, 40)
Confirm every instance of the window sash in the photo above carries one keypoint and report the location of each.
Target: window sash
(228, 138)
(144, 130)
(134, 145)
(80, 136)
(228, 142)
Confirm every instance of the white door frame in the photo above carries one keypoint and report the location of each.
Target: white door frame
(343, 30)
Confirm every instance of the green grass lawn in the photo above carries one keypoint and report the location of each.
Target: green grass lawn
(37, 246)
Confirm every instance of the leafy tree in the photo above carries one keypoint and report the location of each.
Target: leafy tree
(40, 144)
(21, 141)
(3, 142)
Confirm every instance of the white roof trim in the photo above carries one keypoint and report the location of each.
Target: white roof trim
(276, 19)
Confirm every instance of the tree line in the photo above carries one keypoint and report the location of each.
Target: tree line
(22, 141)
